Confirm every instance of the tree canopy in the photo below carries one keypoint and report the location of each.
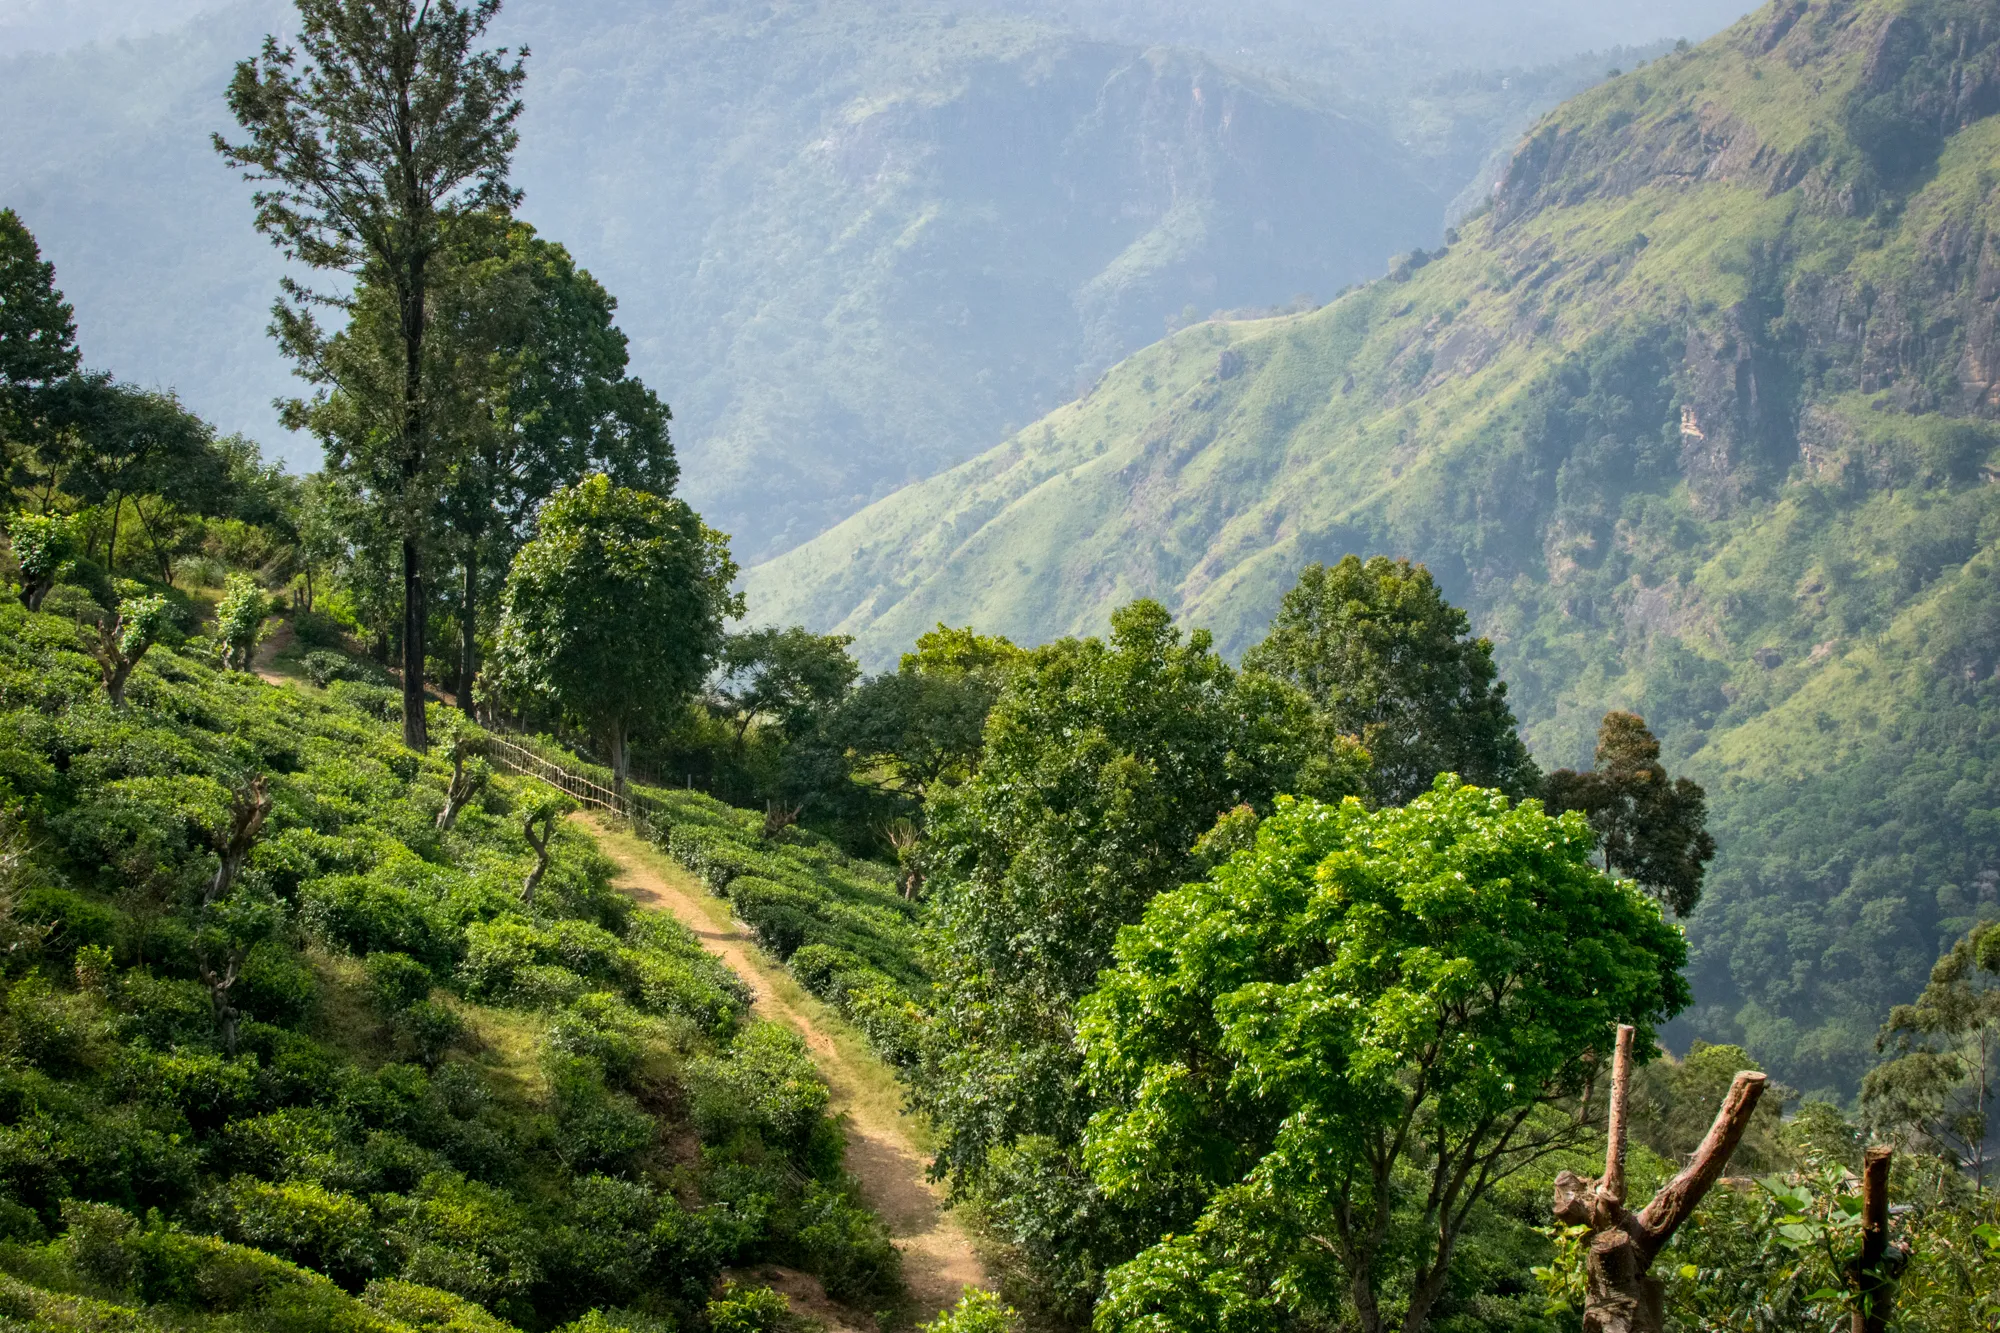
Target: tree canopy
(393, 123)
(1315, 1065)
(37, 332)
(1394, 664)
(1649, 826)
(615, 611)
(1103, 763)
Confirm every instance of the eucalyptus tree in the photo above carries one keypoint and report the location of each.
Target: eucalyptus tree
(382, 123)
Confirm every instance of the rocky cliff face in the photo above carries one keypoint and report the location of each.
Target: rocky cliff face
(1699, 420)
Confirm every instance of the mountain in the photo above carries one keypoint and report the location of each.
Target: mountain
(1698, 418)
(855, 243)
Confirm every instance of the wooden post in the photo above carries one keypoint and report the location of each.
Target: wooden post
(1872, 1285)
(1611, 1190)
(1621, 1294)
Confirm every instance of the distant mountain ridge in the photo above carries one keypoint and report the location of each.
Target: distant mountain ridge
(1697, 419)
(854, 243)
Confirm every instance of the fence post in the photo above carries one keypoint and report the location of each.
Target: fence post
(1876, 1295)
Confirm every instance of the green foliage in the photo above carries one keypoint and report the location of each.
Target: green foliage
(366, 1058)
(1276, 1041)
(37, 333)
(750, 1310)
(615, 611)
(44, 550)
(976, 1312)
(1934, 1094)
(793, 676)
(1103, 764)
(1393, 664)
(1649, 827)
(239, 620)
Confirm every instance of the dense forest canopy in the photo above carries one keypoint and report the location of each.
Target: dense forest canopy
(374, 841)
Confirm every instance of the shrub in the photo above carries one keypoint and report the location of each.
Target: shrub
(766, 1082)
(363, 916)
(432, 1028)
(750, 1310)
(377, 701)
(849, 1249)
(976, 1312)
(396, 981)
(302, 1221)
(70, 921)
(276, 986)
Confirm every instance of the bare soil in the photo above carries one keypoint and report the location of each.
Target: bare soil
(884, 1146)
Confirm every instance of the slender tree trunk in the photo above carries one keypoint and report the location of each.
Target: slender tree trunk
(468, 657)
(416, 606)
(415, 735)
(111, 547)
(617, 745)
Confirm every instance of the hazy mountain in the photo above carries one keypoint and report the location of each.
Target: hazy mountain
(1698, 419)
(855, 243)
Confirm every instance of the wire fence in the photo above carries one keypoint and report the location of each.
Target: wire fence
(646, 813)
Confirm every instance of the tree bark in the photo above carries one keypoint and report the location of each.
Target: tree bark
(616, 741)
(468, 665)
(1873, 1285)
(1622, 1295)
(415, 734)
(416, 608)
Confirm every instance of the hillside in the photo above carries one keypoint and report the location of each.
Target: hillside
(1696, 419)
(853, 244)
(287, 1046)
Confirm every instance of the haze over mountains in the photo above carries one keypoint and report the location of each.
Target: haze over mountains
(1698, 420)
(854, 243)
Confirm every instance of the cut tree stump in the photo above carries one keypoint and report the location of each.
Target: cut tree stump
(1621, 1294)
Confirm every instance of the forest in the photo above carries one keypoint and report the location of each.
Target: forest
(1282, 990)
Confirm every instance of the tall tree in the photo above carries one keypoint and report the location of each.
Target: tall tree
(615, 611)
(1103, 763)
(537, 391)
(1395, 665)
(390, 124)
(37, 334)
(1315, 1066)
(1937, 1095)
(1650, 827)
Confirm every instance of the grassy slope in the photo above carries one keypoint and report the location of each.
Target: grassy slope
(1778, 594)
(578, 1115)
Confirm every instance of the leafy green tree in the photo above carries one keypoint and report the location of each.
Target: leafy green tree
(392, 124)
(1315, 1066)
(239, 620)
(37, 334)
(1103, 763)
(1394, 664)
(1649, 826)
(1937, 1094)
(44, 547)
(900, 732)
(525, 378)
(615, 611)
(792, 676)
(113, 444)
(126, 637)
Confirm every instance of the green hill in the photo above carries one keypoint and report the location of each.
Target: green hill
(1696, 419)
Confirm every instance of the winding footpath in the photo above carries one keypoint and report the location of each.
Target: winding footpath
(884, 1146)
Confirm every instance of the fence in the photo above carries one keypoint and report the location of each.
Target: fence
(641, 809)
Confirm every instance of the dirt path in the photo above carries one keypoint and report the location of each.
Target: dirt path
(267, 653)
(884, 1146)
